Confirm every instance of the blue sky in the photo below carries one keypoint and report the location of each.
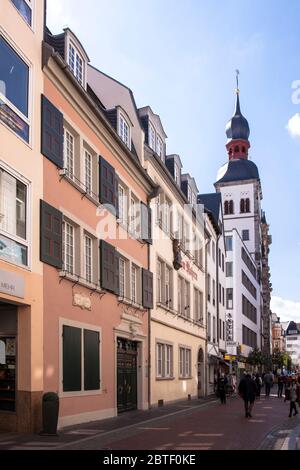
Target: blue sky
(180, 58)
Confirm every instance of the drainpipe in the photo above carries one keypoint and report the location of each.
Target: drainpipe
(218, 300)
(206, 317)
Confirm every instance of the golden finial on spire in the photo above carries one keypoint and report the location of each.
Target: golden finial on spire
(237, 81)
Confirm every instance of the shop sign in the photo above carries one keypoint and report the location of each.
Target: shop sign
(11, 284)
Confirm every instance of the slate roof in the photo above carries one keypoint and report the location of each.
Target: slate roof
(212, 202)
(237, 169)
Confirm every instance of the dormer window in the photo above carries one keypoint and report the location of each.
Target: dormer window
(176, 174)
(151, 137)
(159, 147)
(124, 130)
(76, 64)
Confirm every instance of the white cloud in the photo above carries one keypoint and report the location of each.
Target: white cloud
(286, 309)
(293, 126)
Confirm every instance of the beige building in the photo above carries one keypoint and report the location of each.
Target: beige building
(21, 188)
(178, 317)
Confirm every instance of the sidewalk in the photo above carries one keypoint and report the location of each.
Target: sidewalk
(71, 435)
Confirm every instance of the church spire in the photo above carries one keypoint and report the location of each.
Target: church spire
(237, 130)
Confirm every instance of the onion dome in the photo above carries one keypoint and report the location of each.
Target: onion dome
(238, 128)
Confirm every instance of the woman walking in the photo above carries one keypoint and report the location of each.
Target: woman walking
(293, 397)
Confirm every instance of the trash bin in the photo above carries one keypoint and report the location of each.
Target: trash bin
(50, 413)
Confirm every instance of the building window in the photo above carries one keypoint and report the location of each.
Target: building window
(81, 359)
(88, 256)
(223, 296)
(214, 330)
(185, 363)
(164, 360)
(228, 207)
(245, 205)
(133, 224)
(223, 263)
(229, 243)
(134, 284)
(14, 90)
(245, 235)
(213, 249)
(159, 147)
(208, 287)
(76, 64)
(25, 9)
(124, 131)
(151, 137)
(229, 298)
(176, 174)
(159, 282)
(198, 305)
(168, 292)
(68, 247)
(69, 154)
(209, 326)
(187, 309)
(13, 219)
(229, 268)
(214, 292)
(122, 204)
(249, 337)
(88, 172)
(249, 310)
(122, 277)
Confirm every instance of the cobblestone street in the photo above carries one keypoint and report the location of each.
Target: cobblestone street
(197, 425)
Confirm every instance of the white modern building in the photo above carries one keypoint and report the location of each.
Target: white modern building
(292, 343)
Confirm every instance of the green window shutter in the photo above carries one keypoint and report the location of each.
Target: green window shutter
(50, 235)
(91, 360)
(52, 135)
(109, 267)
(71, 359)
(107, 185)
(147, 289)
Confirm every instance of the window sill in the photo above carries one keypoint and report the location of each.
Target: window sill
(185, 378)
(163, 379)
(80, 281)
(166, 308)
(129, 302)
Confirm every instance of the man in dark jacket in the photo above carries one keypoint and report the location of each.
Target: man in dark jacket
(247, 390)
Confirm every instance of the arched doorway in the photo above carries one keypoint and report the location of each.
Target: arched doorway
(201, 378)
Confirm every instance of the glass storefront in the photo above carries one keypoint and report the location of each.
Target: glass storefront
(8, 357)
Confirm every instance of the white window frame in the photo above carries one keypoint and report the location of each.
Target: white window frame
(152, 137)
(83, 326)
(71, 254)
(88, 275)
(176, 174)
(123, 216)
(123, 127)
(133, 287)
(5, 100)
(185, 362)
(25, 242)
(164, 360)
(88, 172)
(69, 153)
(159, 281)
(122, 277)
(159, 147)
(73, 67)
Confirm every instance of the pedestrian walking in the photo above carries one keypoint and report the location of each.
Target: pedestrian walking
(258, 383)
(293, 397)
(268, 380)
(222, 387)
(247, 390)
(280, 386)
(287, 388)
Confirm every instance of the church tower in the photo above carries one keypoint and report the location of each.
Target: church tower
(238, 182)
